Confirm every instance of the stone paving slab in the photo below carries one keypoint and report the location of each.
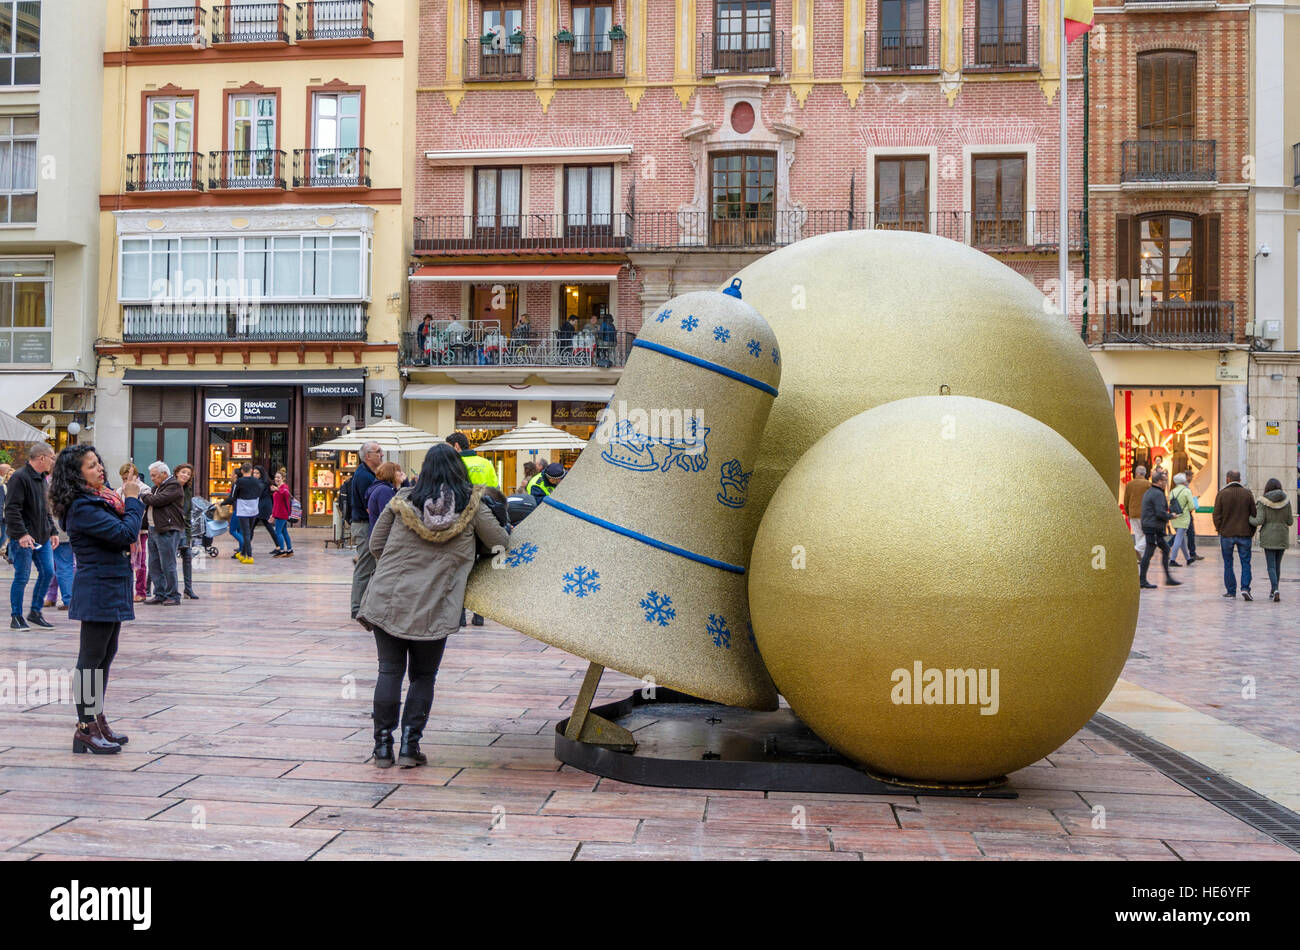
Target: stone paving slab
(266, 727)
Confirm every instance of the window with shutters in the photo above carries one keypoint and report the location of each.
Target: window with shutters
(1165, 258)
(1167, 148)
(161, 425)
(1177, 259)
(903, 193)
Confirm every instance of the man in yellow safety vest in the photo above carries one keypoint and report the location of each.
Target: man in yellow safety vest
(481, 471)
(544, 482)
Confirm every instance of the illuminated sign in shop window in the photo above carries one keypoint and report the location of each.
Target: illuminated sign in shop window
(1174, 428)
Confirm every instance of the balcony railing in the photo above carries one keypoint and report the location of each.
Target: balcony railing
(1179, 160)
(250, 23)
(589, 57)
(1209, 321)
(1295, 161)
(459, 232)
(499, 60)
(727, 52)
(167, 26)
(225, 322)
(331, 168)
(261, 168)
(901, 51)
(164, 171)
(336, 20)
(484, 343)
(1000, 48)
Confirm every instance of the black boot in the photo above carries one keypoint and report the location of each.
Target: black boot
(383, 747)
(410, 755)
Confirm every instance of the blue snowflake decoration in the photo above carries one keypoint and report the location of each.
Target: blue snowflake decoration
(581, 581)
(719, 631)
(755, 348)
(721, 334)
(776, 357)
(690, 323)
(663, 315)
(523, 554)
(658, 608)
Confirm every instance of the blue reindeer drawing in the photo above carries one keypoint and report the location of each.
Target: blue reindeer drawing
(636, 452)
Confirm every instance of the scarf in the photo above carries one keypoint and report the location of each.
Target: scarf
(441, 514)
(110, 496)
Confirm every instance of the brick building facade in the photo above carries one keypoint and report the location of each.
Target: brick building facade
(1168, 201)
(562, 168)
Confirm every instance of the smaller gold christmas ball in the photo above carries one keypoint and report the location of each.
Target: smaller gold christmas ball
(943, 589)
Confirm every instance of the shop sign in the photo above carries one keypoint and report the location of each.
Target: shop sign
(377, 405)
(486, 413)
(331, 390)
(265, 410)
(324, 455)
(221, 410)
(1272, 427)
(50, 402)
(241, 448)
(575, 413)
(31, 347)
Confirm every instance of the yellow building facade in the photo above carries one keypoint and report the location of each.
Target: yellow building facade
(253, 226)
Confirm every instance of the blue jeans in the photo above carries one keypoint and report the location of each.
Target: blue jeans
(1180, 543)
(282, 534)
(1273, 561)
(65, 569)
(22, 560)
(1242, 546)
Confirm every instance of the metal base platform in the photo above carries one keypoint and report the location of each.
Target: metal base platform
(685, 742)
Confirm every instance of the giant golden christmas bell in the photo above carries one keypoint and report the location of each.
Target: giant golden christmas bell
(637, 561)
(943, 589)
(867, 317)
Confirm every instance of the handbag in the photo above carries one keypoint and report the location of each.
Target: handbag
(295, 510)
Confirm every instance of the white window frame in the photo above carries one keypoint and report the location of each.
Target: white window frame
(11, 53)
(7, 191)
(48, 280)
(253, 120)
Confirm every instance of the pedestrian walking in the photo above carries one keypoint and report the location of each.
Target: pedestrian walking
(1273, 516)
(1191, 524)
(245, 498)
(1181, 503)
(424, 545)
(139, 550)
(166, 504)
(1155, 517)
(1232, 512)
(282, 511)
(1134, 492)
(5, 471)
(32, 536)
(185, 475)
(265, 509)
(372, 456)
(101, 528)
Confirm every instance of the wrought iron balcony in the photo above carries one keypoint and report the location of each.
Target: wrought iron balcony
(1209, 321)
(728, 52)
(191, 321)
(250, 23)
(900, 51)
(261, 168)
(164, 171)
(554, 232)
(331, 168)
(588, 57)
(496, 58)
(999, 48)
(175, 25)
(1178, 160)
(485, 343)
(336, 20)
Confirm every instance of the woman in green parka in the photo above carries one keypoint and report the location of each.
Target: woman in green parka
(1183, 496)
(1274, 518)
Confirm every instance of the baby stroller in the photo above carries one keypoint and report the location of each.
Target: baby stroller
(204, 526)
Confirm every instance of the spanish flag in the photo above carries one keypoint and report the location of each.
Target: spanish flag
(1078, 18)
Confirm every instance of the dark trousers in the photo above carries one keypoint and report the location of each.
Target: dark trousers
(396, 656)
(1191, 536)
(187, 567)
(1155, 539)
(1273, 561)
(246, 536)
(98, 647)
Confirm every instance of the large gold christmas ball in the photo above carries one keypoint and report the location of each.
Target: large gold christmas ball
(943, 589)
(867, 317)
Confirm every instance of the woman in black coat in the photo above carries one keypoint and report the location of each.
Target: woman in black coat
(101, 528)
(264, 507)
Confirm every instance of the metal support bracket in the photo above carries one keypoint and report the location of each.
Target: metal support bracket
(586, 727)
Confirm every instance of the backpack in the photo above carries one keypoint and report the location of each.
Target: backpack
(295, 510)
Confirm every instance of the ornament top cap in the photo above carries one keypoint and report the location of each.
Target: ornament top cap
(718, 328)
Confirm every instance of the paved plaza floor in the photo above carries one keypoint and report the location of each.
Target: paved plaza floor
(248, 715)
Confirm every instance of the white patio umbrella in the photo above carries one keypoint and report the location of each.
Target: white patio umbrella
(532, 435)
(13, 429)
(391, 436)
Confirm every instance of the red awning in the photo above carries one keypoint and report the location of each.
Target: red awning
(484, 273)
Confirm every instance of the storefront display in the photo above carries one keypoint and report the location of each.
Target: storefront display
(1176, 429)
(326, 472)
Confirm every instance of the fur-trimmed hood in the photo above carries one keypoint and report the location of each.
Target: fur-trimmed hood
(412, 518)
(1274, 499)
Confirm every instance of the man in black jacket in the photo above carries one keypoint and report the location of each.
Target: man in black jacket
(1155, 516)
(31, 535)
(372, 456)
(166, 504)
